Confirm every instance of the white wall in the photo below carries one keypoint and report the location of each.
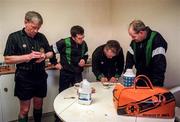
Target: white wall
(59, 16)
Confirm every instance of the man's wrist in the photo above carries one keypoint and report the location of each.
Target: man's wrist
(45, 57)
(28, 57)
(100, 76)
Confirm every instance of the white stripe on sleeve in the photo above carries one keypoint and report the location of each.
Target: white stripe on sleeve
(157, 51)
(86, 53)
(131, 50)
(55, 48)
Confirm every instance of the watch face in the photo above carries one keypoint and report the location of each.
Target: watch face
(42, 50)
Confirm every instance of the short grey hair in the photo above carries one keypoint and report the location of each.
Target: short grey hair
(137, 26)
(114, 46)
(32, 14)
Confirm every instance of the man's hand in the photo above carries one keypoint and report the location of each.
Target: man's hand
(58, 66)
(113, 79)
(104, 79)
(33, 55)
(81, 62)
(42, 58)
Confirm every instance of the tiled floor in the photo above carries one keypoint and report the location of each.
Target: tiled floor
(46, 118)
(50, 117)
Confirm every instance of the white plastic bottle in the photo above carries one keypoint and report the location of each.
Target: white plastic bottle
(128, 78)
(84, 93)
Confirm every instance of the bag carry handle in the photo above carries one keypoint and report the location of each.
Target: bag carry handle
(143, 78)
(115, 90)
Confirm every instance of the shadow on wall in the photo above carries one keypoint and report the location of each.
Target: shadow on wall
(176, 92)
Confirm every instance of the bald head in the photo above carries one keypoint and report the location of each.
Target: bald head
(137, 26)
(137, 30)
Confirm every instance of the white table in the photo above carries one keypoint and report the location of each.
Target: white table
(100, 110)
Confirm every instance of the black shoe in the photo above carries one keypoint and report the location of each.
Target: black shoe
(57, 118)
(176, 119)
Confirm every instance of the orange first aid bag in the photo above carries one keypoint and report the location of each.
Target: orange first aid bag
(145, 101)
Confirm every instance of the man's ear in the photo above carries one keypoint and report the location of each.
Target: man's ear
(141, 32)
(73, 38)
(25, 21)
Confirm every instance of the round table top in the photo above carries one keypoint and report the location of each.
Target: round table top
(101, 109)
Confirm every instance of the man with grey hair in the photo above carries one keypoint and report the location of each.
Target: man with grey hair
(147, 52)
(108, 61)
(28, 49)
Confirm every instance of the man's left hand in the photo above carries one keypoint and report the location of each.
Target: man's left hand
(42, 58)
(113, 79)
(81, 62)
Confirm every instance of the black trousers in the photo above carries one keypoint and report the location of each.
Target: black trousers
(68, 79)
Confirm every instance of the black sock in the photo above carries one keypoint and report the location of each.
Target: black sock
(37, 114)
(23, 119)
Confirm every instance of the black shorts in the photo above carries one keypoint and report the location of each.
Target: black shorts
(30, 84)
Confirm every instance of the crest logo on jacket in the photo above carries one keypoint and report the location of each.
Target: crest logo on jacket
(24, 45)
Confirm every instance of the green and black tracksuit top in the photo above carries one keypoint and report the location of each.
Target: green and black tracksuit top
(148, 56)
(104, 67)
(70, 54)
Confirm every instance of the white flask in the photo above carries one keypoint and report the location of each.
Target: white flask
(84, 93)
